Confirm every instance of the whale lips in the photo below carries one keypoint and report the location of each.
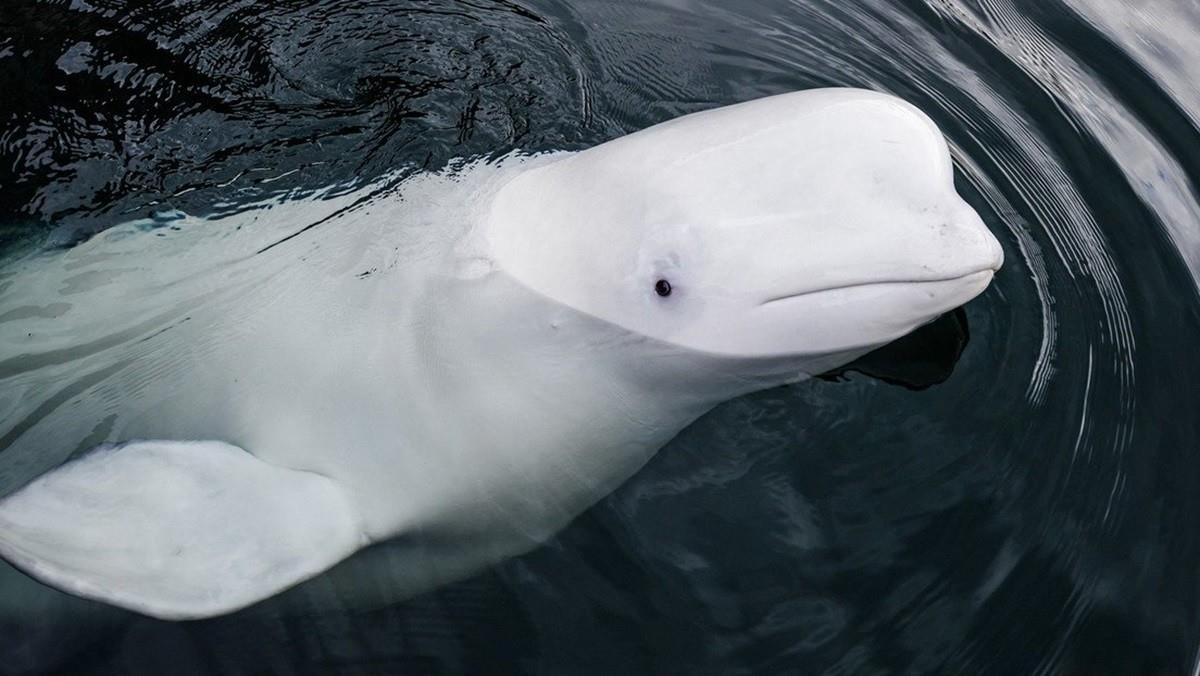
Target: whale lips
(842, 287)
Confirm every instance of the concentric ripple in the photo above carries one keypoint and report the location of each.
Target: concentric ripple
(1035, 513)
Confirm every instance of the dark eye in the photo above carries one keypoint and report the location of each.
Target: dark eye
(662, 287)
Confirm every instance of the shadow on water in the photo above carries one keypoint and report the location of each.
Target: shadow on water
(1025, 504)
(920, 360)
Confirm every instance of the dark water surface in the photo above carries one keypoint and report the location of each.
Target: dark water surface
(1037, 513)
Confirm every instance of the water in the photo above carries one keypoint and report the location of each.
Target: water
(1034, 513)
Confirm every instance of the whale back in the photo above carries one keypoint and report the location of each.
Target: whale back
(434, 371)
(146, 316)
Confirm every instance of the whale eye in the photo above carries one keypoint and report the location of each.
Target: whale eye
(662, 287)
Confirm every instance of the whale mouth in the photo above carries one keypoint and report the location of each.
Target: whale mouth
(982, 277)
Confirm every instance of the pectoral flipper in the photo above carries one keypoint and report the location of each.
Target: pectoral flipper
(177, 529)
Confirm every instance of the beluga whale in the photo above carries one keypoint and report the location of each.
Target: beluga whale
(196, 415)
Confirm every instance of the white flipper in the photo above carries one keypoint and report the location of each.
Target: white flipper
(177, 530)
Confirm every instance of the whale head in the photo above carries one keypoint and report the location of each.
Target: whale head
(811, 226)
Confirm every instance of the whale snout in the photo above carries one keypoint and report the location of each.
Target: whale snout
(957, 260)
(977, 245)
(958, 245)
(867, 283)
(919, 246)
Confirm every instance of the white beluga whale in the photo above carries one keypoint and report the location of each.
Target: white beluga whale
(195, 418)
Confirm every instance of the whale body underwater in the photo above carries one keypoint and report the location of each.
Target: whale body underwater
(198, 417)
